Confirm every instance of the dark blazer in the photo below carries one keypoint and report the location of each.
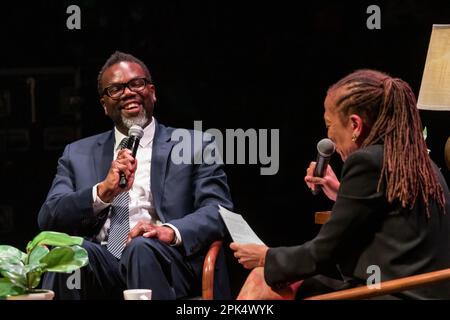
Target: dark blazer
(364, 230)
(186, 195)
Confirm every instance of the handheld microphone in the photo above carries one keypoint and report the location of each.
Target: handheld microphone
(134, 136)
(325, 149)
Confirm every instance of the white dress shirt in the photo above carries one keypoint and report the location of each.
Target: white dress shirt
(141, 206)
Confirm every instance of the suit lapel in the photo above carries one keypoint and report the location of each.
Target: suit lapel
(162, 145)
(103, 155)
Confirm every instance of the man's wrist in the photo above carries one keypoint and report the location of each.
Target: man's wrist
(104, 194)
(98, 205)
(177, 236)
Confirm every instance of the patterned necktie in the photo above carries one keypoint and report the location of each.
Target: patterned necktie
(120, 224)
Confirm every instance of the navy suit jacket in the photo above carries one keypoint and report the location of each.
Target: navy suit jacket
(186, 195)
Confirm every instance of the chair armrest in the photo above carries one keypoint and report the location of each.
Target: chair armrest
(387, 287)
(208, 270)
(322, 217)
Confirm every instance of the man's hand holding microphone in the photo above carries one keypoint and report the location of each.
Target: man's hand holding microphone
(120, 176)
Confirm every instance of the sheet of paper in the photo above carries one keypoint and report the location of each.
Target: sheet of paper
(239, 229)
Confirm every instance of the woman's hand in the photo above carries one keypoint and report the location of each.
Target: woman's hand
(329, 182)
(250, 255)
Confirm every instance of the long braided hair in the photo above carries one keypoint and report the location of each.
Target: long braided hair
(388, 108)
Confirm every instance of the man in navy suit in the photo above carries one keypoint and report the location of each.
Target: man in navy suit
(172, 209)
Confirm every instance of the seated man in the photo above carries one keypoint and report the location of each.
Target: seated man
(154, 232)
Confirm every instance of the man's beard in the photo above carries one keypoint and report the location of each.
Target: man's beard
(139, 120)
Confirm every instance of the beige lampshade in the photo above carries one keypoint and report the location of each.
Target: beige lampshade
(435, 88)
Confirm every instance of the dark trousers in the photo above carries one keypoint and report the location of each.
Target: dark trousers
(146, 263)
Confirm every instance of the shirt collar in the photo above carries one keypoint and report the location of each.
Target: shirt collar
(149, 133)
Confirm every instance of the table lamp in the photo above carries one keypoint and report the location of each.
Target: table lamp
(434, 91)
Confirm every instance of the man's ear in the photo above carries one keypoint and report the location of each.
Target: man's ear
(103, 103)
(152, 92)
(357, 124)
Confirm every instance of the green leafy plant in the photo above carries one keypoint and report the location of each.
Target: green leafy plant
(21, 272)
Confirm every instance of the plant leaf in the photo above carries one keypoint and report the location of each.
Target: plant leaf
(34, 272)
(34, 268)
(52, 238)
(37, 254)
(9, 289)
(34, 278)
(65, 259)
(15, 273)
(5, 262)
(11, 252)
(11, 266)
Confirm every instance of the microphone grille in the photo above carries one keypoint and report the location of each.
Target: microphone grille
(136, 131)
(326, 147)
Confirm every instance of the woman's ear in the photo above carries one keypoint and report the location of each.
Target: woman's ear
(357, 124)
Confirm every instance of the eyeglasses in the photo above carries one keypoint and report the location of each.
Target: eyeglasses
(116, 90)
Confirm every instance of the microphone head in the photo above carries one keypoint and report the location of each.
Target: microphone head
(136, 131)
(326, 147)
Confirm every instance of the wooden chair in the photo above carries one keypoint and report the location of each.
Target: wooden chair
(387, 287)
(208, 270)
(256, 288)
(322, 217)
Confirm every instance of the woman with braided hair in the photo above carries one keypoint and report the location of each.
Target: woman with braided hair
(392, 209)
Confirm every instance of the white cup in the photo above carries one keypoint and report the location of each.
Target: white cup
(137, 294)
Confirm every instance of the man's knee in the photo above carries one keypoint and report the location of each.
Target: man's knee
(94, 251)
(138, 246)
(140, 253)
(90, 247)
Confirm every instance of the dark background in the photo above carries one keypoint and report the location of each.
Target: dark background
(229, 64)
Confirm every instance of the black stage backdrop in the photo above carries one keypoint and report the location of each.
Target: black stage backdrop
(249, 65)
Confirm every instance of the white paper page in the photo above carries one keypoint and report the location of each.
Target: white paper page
(239, 229)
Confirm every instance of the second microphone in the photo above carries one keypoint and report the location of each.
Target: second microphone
(325, 149)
